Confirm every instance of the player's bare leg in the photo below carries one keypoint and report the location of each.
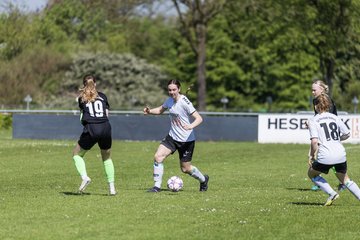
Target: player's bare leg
(161, 153)
(351, 185)
(187, 167)
(324, 186)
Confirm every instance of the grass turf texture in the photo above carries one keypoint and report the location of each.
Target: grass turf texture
(256, 191)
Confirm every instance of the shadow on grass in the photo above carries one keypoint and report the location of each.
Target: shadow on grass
(307, 204)
(304, 203)
(82, 194)
(301, 189)
(164, 190)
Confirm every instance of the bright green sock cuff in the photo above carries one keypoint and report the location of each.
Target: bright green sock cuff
(80, 165)
(109, 170)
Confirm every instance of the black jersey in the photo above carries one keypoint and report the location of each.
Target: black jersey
(94, 112)
(332, 107)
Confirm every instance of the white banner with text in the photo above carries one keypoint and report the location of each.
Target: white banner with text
(291, 128)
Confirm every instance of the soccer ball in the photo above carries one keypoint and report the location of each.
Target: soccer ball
(175, 183)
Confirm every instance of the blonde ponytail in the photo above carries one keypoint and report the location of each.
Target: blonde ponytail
(88, 93)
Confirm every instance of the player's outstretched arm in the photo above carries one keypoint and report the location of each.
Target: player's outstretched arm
(154, 111)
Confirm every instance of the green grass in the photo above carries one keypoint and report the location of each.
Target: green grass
(256, 191)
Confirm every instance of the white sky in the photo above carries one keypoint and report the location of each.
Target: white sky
(28, 5)
(164, 7)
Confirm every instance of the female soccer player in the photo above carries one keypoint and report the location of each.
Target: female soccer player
(94, 108)
(326, 150)
(181, 136)
(318, 88)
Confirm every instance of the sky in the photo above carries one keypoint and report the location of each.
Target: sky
(29, 5)
(34, 5)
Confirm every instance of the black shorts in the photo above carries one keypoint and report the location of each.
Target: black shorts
(185, 149)
(340, 167)
(96, 133)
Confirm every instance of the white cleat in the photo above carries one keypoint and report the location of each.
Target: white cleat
(112, 192)
(84, 184)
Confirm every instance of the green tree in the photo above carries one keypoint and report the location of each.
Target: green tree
(270, 57)
(16, 33)
(328, 28)
(79, 21)
(223, 72)
(193, 28)
(36, 72)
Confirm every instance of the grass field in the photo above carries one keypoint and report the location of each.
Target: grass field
(256, 191)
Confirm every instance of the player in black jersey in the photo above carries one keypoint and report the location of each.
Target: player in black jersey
(320, 88)
(94, 108)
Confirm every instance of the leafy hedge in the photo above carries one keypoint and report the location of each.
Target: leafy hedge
(128, 81)
(5, 121)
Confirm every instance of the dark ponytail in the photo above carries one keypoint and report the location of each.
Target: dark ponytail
(189, 88)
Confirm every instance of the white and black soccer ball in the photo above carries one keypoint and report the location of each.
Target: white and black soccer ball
(175, 183)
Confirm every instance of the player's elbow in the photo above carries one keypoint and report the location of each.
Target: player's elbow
(344, 136)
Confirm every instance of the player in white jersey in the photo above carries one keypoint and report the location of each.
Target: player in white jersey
(320, 88)
(326, 150)
(184, 118)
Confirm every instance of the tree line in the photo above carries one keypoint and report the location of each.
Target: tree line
(251, 55)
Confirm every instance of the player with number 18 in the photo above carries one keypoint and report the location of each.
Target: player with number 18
(326, 150)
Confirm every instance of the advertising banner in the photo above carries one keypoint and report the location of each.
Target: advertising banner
(292, 128)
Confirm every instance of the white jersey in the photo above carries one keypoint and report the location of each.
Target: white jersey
(180, 114)
(328, 128)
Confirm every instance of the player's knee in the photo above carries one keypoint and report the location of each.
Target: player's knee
(311, 173)
(186, 169)
(158, 158)
(76, 151)
(105, 154)
(79, 152)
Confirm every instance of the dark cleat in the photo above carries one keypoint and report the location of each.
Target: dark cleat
(204, 185)
(154, 189)
(341, 187)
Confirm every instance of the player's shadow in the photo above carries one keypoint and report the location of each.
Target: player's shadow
(304, 203)
(162, 190)
(82, 194)
(300, 189)
(75, 193)
(307, 203)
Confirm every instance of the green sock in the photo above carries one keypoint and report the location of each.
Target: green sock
(80, 165)
(109, 170)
